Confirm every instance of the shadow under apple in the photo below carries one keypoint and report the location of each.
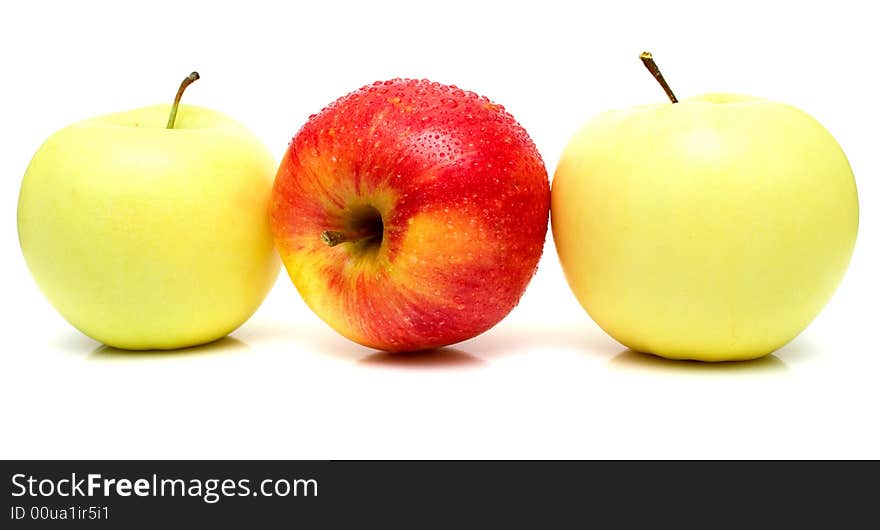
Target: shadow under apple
(633, 360)
(221, 346)
(799, 350)
(425, 359)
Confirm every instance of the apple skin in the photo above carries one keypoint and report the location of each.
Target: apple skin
(714, 229)
(463, 197)
(149, 238)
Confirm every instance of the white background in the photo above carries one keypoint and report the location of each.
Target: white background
(546, 382)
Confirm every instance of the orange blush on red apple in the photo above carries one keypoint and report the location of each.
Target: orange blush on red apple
(410, 214)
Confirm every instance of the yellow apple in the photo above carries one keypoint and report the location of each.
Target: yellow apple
(712, 229)
(147, 237)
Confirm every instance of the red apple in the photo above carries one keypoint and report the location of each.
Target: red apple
(410, 214)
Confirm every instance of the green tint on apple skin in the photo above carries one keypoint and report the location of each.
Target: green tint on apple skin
(150, 231)
(713, 228)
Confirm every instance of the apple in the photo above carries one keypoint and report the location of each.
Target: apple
(714, 229)
(410, 214)
(150, 231)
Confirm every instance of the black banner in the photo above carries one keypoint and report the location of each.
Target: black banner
(455, 494)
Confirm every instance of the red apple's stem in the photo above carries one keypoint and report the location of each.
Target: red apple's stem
(335, 237)
(187, 81)
(652, 67)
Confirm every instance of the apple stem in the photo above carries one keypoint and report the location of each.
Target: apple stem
(652, 67)
(335, 237)
(187, 81)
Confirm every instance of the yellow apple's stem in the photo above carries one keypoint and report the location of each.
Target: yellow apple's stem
(187, 81)
(652, 67)
(335, 237)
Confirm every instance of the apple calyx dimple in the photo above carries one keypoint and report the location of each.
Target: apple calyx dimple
(335, 237)
(648, 60)
(187, 81)
(365, 224)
